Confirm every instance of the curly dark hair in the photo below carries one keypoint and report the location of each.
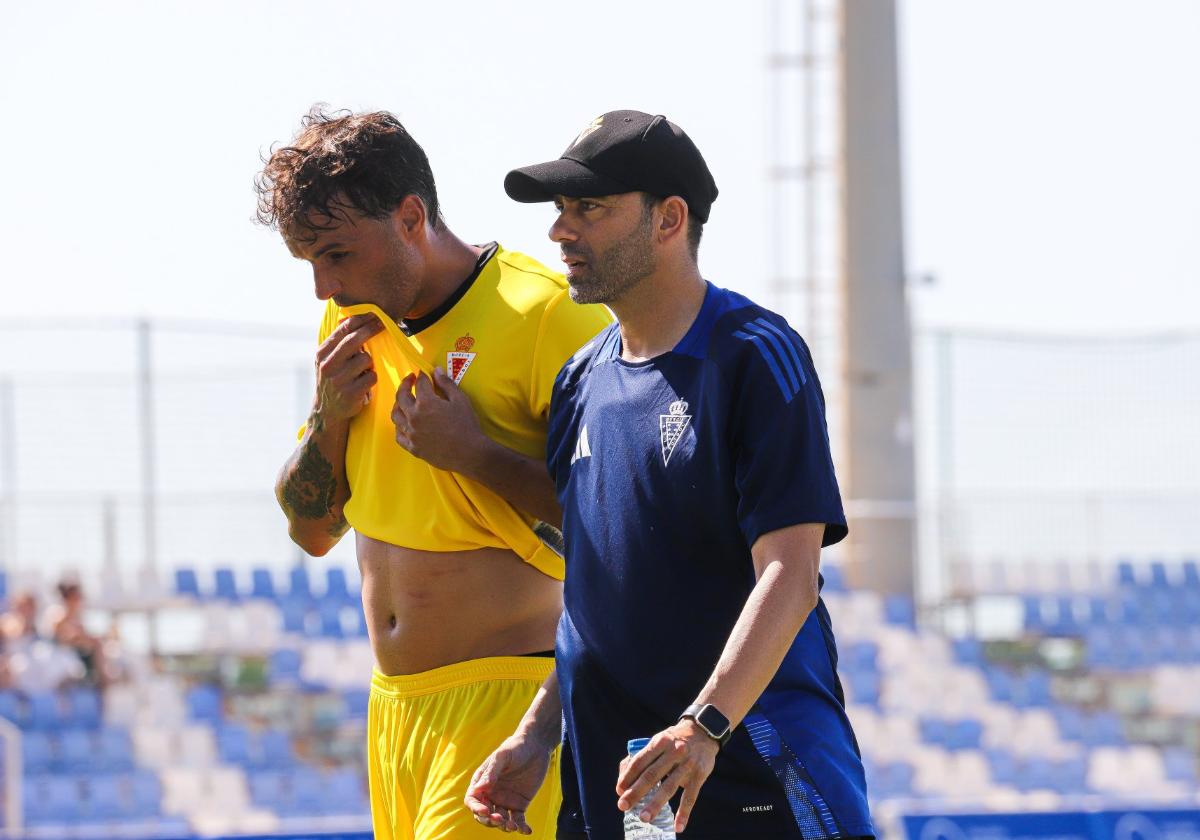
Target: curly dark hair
(342, 161)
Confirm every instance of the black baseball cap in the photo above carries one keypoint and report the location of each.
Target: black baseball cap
(620, 152)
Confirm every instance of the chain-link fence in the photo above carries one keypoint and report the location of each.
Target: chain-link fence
(1044, 457)
(130, 448)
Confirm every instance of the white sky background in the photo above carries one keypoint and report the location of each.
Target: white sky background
(1052, 149)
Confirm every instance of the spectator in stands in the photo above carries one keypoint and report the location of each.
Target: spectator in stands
(31, 661)
(66, 622)
(18, 626)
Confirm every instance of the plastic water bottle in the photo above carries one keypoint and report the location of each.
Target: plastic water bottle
(662, 827)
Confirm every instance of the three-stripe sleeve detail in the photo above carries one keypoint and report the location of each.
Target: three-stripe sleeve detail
(779, 352)
(787, 342)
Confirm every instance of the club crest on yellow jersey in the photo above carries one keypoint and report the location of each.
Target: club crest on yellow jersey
(460, 358)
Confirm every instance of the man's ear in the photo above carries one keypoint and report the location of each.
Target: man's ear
(672, 213)
(409, 217)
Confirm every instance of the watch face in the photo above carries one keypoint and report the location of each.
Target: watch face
(715, 723)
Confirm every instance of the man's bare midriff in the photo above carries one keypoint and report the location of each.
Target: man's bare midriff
(426, 609)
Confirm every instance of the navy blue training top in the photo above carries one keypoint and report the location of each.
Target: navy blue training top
(668, 471)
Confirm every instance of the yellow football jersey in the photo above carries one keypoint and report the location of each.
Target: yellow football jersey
(504, 342)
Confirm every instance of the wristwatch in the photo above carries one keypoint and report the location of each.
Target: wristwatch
(714, 724)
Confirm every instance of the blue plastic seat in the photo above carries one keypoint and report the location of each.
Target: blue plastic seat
(275, 750)
(204, 703)
(859, 656)
(346, 792)
(262, 585)
(309, 795)
(1098, 612)
(1037, 774)
(77, 751)
(1129, 609)
(233, 744)
(298, 584)
(63, 798)
(106, 798)
(145, 793)
(336, 587)
(898, 609)
(968, 651)
(1130, 651)
(865, 687)
(45, 711)
(38, 754)
(1180, 765)
(186, 583)
(1100, 652)
(269, 789)
(357, 700)
(1035, 620)
(832, 578)
(1070, 722)
(1004, 766)
(114, 750)
(84, 706)
(1158, 607)
(1125, 574)
(225, 585)
(1070, 776)
(1064, 623)
(34, 797)
(330, 613)
(1032, 690)
(1191, 606)
(283, 666)
(895, 779)
(1000, 683)
(963, 734)
(295, 614)
(1191, 573)
(1158, 575)
(933, 730)
(1191, 644)
(1103, 729)
(1167, 645)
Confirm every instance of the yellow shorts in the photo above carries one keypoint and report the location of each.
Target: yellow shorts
(427, 734)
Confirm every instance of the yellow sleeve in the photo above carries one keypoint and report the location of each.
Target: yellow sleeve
(565, 327)
(328, 322)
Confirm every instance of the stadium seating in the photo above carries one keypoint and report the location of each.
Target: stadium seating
(275, 732)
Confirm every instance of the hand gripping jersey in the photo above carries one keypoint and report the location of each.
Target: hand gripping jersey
(503, 337)
(668, 471)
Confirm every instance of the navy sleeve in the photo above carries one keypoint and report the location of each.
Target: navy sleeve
(556, 439)
(783, 469)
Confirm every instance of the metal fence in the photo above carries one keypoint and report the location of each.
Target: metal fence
(1041, 457)
(130, 448)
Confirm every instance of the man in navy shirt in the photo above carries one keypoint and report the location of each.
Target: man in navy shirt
(689, 447)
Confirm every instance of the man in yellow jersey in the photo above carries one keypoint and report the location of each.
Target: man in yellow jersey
(427, 437)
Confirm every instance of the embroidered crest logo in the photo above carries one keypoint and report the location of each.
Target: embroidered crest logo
(590, 128)
(672, 426)
(460, 358)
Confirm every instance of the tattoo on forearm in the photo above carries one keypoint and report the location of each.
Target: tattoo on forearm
(309, 491)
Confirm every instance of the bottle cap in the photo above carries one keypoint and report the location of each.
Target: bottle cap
(637, 745)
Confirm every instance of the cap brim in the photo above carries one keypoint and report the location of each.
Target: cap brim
(543, 181)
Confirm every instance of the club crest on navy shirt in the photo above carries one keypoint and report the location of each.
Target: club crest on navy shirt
(671, 427)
